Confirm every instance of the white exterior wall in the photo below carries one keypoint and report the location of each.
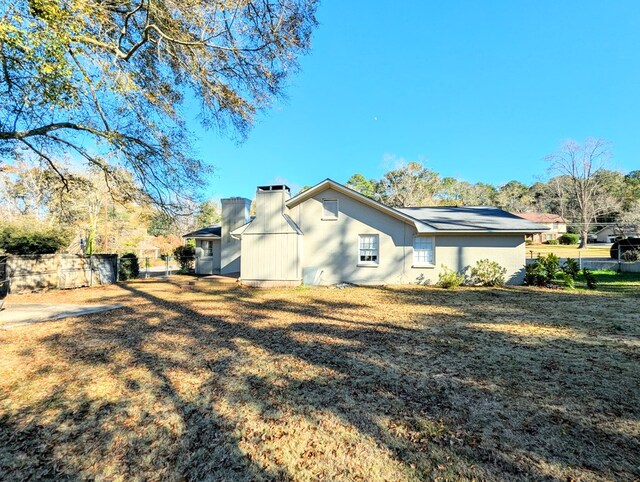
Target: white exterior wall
(208, 264)
(271, 248)
(271, 257)
(332, 246)
(235, 213)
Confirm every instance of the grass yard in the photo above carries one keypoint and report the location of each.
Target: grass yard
(403, 383)
(613, 282)
(571, 251)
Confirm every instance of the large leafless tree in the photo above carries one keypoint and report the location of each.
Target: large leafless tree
(580, 164)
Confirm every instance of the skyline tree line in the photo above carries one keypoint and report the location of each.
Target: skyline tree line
(580, 189)
(107, 218)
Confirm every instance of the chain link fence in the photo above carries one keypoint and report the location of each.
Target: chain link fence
(167, 266)
(600, 264)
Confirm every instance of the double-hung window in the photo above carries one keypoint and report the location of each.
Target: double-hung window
(368, 249)
(423, 251)
(207, 247)
(329, 209)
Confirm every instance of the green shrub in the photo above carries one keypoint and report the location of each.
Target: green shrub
(535, 274)
(630, 256)
(528, 242)
(129, 267)
(185, 255)
(569, 238)
(543, 272)
(592, 284)
(24, 240)
(571, 267)
(552, 264)
(449, 279)
(552, 241)
(568, 280)
(488, 273)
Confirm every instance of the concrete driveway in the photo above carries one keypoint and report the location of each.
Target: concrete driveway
(14, 315)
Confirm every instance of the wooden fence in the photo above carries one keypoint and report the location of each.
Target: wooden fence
(62, 271)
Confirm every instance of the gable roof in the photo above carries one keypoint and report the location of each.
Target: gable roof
(330, 184)
(472, 218)
(214, 231)
(541, 217)
(445, 219)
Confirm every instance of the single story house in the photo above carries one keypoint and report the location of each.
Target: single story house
(330, 234)
(557, 226)
(609, 234)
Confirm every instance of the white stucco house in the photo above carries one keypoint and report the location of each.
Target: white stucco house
(330, 234)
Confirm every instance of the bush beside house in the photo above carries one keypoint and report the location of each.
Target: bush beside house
(129, 267)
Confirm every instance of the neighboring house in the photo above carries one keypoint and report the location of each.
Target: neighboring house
(556, 225)
(330, 233)
(608, 234)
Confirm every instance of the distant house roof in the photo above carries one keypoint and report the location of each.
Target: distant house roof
(545, 218)
(213, 231)
(626, 230)
(471, 218)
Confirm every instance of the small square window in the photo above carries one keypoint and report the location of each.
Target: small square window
(329, 209)
(368, 249)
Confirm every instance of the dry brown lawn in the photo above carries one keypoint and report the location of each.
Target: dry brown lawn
(407, 383)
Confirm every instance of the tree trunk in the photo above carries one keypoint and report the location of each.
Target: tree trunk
(583, 239)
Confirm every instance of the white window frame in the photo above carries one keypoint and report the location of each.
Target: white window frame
(327, 214)
(419, 260)
(208, 251)
(371, 248)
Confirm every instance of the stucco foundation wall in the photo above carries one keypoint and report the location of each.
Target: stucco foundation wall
(271, 283)
(332, 246)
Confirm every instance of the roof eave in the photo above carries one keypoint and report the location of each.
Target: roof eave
(489, 231)
(200, 236)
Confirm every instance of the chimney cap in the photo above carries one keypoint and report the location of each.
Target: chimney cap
(277, 187)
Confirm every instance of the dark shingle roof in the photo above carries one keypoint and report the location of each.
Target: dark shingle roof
(470, 218)
(213, 231)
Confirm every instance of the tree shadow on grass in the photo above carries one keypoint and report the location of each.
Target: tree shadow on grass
(442, 394)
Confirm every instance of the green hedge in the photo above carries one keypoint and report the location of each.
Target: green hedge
(25, 240)
(129, 267)
(569, 238)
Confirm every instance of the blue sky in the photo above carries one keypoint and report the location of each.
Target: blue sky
(477, 90)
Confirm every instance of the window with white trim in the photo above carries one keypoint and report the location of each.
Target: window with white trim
(329, 209)
(368, 249)
(207, 247)
(423, 251)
